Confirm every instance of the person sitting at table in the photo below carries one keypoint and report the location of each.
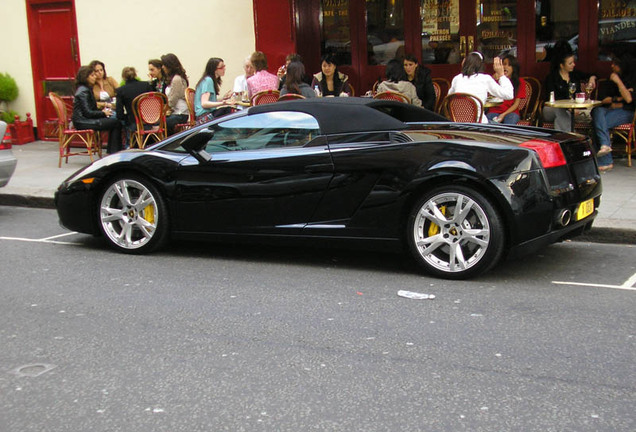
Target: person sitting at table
(157, 81)
(240, 82)
(396, 82)
(420, 77)
(508, 111)
(561, 74)
(125, 96)
(294, 81)
(175, 91)
(480, 85)
(206, 103)
(86, 115)
(261, 80)
(330, 81)
(104, 88)
(618, 107)
(282, 71)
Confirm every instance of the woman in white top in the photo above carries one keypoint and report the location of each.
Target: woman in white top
(175, 91)
(480, 85)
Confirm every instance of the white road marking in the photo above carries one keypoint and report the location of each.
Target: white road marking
(60, 235)
(628, 285)
(43, 240)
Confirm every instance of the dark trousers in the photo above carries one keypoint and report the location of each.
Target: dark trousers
(173, 120)
(110, 124)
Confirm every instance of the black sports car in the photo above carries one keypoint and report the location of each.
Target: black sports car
(372, 172)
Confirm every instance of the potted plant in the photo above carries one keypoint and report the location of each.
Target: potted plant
(18, 132)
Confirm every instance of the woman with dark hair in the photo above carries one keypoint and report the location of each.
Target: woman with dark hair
(157, 81)
(104, 88)
(86, 115)
(261, 80)
(330, 81)
(508, 111)
(206, 105)
(175, 91)
(561, 75)
(294, 82)
(618, 107)
(478, 84)
(396, 82)
(420, 77)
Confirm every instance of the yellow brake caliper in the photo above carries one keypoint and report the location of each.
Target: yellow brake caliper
(433, 229)
(149, 213)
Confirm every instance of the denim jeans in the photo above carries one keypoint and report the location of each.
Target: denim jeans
(603, 120)
(509, 119)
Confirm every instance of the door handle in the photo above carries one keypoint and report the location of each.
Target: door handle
(73, 49)
(471, 44)
(462, 46)
(319, 168)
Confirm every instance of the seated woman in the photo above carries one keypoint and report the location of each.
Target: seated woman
(396, 82)
(331, 82)
(206, 106)
(175, 91)
(420, 77)
(125, 95)
(471, 81)
(86, 115)
(294, 81)
(261, 80)
(508, 111)
(104, 88)
(618, 107)
(155, 73)
(561, 75)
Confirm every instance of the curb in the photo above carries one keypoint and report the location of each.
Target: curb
(27, 201)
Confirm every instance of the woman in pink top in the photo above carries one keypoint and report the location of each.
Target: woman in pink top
(261, 80)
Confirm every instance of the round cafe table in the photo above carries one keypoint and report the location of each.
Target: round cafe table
(492, 102)
(572, 105)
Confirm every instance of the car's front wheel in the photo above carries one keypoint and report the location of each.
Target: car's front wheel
(132, 215)
(455, 232)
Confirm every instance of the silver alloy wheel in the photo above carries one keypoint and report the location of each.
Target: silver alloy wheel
(129, 214)
(451, 232)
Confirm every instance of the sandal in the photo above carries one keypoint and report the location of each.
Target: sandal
(605, 149)
(605, 168)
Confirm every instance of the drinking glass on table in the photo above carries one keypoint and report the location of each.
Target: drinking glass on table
(589, 88)
(572, 89)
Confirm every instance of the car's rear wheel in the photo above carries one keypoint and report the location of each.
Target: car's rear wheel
(455, 232)
(132, 215)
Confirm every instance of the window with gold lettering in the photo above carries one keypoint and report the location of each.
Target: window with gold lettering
(496, 28)
(616, 28)
(440, 31)
(336, 33)
(385, 30)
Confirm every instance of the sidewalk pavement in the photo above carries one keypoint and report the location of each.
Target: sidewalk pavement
(37, 176)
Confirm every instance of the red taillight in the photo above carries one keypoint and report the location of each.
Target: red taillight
(5, 145)
(549, 152)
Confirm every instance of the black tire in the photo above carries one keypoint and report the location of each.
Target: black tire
(455, 244)
(132, 215)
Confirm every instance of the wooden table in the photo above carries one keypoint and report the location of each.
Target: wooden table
(572, 105)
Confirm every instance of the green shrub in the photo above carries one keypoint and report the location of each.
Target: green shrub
(8, 88)
(8, 116)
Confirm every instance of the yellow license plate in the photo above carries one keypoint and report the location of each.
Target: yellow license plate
(585, 209)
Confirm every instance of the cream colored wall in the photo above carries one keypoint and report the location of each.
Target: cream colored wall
(15, 58)
(127, 33)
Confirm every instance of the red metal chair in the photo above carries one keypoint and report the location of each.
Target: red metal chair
(189, 98)
(394, 96)
(150, 118)
(265, 97)
(290, 96)
(66, 134)
(463, 107)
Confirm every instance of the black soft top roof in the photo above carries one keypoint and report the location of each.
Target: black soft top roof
(353, 114)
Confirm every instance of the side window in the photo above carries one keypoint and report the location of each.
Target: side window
(263, 131)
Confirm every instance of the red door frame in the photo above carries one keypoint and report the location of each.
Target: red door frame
(41, 99)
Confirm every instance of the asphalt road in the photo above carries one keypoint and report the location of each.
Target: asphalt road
(256, 338)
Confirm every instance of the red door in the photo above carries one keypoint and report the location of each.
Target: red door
(54, 57)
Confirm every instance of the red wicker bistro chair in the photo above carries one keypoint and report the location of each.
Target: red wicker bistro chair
(290, 96)
(189, 98)
(444, 86)
(394, 96)
(66, 134)
(528, 115)
(265, 97)
(626, 132)
(150, 118)
(463, 107)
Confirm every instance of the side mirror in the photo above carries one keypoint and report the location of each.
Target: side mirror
(195, 144)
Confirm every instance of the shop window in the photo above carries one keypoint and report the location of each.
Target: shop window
(497, 28)
(336, 33)
(616, 28)
(440, 31)
(555, 20)
(385, 30)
